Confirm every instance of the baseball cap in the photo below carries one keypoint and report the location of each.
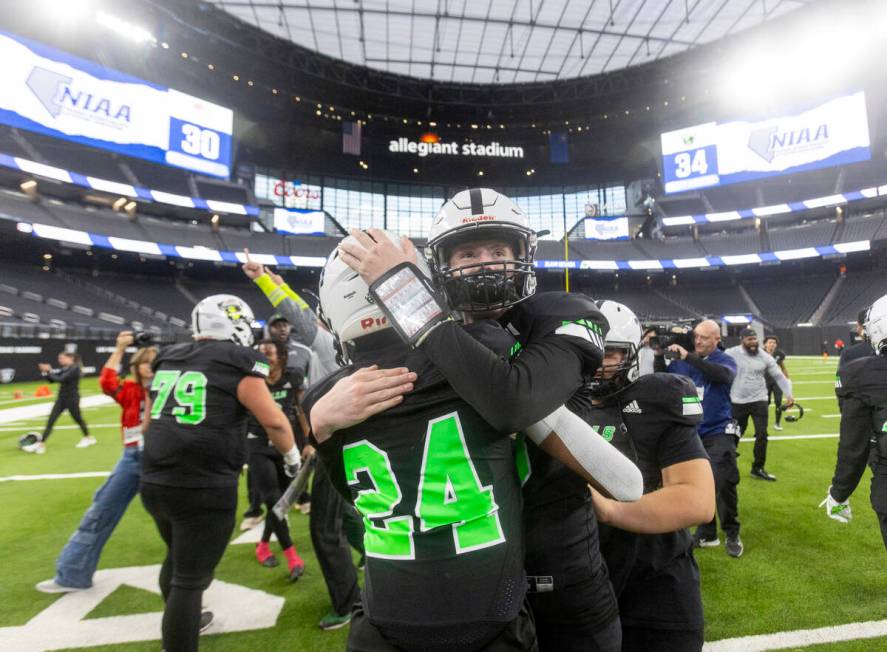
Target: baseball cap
(277, 317)
(748, 332)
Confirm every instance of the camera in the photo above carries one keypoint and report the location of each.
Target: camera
(142, 338)
(680, 333)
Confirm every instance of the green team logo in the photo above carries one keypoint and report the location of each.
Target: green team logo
(450, 494)
(261, 368)
(188, 388)
(607, 433)
(515, 349)
(233, 312)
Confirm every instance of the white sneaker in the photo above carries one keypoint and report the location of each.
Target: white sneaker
(250, 522)
(37, 447)
(776, 426)
(86, 442)
(50, 586)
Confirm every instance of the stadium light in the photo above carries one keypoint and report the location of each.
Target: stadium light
(29, 187)
(125, 29)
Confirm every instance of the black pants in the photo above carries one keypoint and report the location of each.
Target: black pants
(566, 620)
(758, 412)
(252, 494)
(195, 524)
(519, 634)
(271, 481)
(642, 639)
(721, 451)
(774, 392)
(62, 403)
(330, 545)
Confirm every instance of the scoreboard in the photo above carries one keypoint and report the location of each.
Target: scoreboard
(712, 154)
(63, 96)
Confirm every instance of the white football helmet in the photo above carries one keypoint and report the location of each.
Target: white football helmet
(474, 215)
(876, 325)
(223, 317)
(345, 303)
(625, 333)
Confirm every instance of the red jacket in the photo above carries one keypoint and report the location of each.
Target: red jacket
(131, 397)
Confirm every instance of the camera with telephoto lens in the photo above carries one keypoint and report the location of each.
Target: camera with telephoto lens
(142, 338)
(680, 333)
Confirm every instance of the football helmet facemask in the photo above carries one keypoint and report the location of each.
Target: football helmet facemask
(625, 334)
(476, 215)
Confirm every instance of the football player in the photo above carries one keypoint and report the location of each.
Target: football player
(343, 406)
(647, 548)
(266, 462)
(862, 387)
(435, 483)
(481, 254)
(196, 417)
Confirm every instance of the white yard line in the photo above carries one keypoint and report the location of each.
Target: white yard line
(829, 435)
(10, 415)
(800, 637)
(92, 426)
(56, 476)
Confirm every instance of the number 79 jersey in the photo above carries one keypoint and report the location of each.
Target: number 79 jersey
(440, 499)
(197, 431)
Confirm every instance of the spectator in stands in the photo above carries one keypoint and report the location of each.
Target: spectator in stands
(334, 524)
(771, 346)
(80, 556)
(646, 354)
(748, 394)
(713, 371)
(68, 378)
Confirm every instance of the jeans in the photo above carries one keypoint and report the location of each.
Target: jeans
(80, 556)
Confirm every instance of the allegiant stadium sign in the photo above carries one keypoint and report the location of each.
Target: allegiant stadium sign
(425, 148)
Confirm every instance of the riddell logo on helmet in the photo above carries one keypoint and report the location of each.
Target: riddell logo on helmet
(369, 323)
(478, 218)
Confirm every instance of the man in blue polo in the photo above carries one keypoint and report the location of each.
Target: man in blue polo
(713, 371)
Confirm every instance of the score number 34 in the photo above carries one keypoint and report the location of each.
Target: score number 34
(690, 163)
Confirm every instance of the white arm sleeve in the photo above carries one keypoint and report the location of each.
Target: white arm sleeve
(602, 461)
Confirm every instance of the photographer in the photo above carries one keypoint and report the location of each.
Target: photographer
(68, 378)
(712, 371)
(80, 556)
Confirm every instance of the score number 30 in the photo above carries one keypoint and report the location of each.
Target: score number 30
(204, 143)
(690, 163)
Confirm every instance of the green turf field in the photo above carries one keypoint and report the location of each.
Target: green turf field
(800, 570)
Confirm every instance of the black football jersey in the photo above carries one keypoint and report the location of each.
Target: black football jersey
(653, 422)
(284, 394)
(440, 499)
(567, 333)
(197, 430)
(862, 389)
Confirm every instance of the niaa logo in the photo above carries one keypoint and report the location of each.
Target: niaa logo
(56, 92)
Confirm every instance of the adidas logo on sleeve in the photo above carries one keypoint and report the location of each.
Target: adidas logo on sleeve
(633, 408)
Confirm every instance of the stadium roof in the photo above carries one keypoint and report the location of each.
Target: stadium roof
(503, 41)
